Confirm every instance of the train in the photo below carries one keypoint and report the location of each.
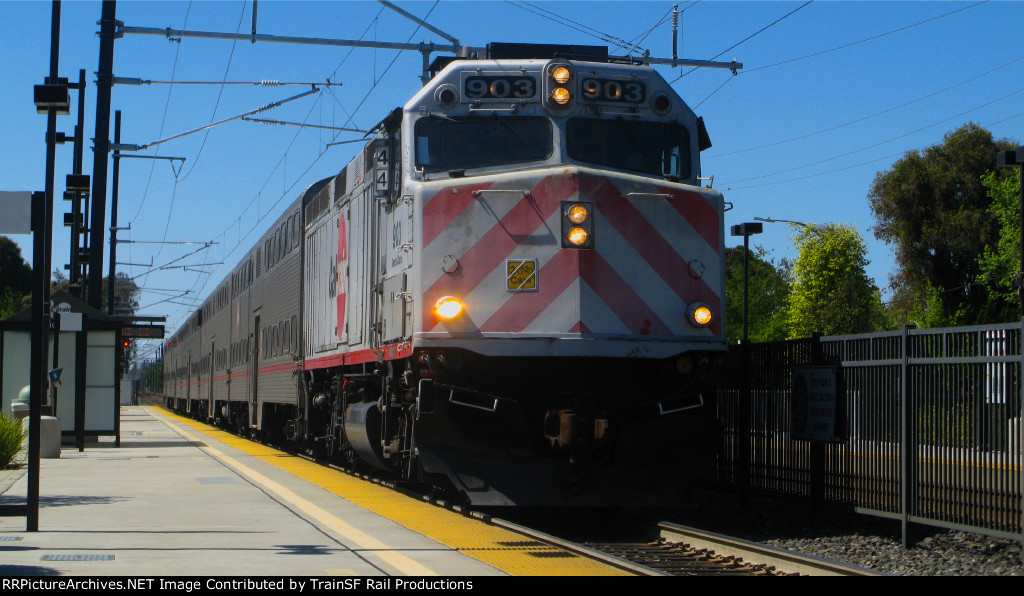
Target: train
(512, 295)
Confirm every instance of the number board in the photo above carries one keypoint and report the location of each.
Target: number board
(613, 91)
(477, 88)
(521, 275)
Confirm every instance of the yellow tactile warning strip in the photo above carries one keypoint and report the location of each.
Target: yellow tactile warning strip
(505, 550)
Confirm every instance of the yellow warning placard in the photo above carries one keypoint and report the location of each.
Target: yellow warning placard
(521, 275)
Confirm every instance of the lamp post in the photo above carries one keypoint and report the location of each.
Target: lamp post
(746, 230)
(1015, 159)
(1005, 159)
(810, 226)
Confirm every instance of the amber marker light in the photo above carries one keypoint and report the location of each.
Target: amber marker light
(560, 74)
(448, 307)
(577, 214)
(560, 95)
(577, 236)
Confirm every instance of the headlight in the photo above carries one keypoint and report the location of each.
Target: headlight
(577, 214)
(578, 236)
(699, 315)
(448, 308)
(559, 86)
(577, 225)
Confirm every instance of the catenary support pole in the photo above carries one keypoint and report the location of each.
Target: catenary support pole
(101, 147)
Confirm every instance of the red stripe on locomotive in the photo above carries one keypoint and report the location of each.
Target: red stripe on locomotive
(651, 245)
(498, 242)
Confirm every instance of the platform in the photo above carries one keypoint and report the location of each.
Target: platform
(179, 498)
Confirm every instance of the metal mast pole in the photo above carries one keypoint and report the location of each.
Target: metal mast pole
(104, 81)
(42, 214)
(113, 214)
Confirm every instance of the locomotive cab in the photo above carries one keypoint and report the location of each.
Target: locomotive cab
(500, 115)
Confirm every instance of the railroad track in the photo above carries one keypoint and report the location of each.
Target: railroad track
(682, 559)
(688, 551)
(679, 551)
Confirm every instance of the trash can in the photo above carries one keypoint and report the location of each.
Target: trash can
(49, 436)
(49, 426)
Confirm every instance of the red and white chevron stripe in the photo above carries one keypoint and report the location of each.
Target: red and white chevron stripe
(653, 256)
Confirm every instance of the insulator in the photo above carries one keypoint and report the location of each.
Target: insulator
(269, 83)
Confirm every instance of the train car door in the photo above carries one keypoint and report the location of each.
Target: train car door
(358, 284)
(188, 384)
(398, 248)
(210, 409)
(255, 378)
(341, 277)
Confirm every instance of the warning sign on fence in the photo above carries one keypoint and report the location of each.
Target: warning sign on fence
(814, 407)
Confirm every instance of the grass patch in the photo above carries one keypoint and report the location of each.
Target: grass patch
(12, 436)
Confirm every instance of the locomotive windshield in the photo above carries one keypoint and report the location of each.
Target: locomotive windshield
(655, 148)
(444, 144)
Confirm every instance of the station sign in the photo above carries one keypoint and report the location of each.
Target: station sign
(143, 331)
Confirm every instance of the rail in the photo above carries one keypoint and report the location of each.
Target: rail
(784, 561)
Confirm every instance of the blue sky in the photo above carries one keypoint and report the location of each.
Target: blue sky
(830, 95)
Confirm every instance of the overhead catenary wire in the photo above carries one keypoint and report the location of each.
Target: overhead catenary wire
(261, 83)
(305, 124)
(868, 117)
(289, 188)
(175, 318)
(857, 165)
(889, 140)
(220, 95)
(639, 39)
(872, 38)
(252, 201)
(263, 108)
(165, 266)
(749, 37)
(163, 120)
(557, 18)
(822, 52)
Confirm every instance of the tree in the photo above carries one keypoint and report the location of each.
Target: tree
(933, 208)
(15, 278)
(151, 376)
(832, 292)
(769, 287)
(1000, 264)
(126, 292)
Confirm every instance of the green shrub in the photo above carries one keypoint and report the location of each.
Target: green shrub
(12, 435)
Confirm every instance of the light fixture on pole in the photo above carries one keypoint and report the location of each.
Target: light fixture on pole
(746, 230)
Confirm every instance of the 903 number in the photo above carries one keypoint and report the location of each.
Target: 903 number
(611, 90)
(500, 87)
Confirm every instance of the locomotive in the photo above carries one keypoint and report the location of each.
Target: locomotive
(513, 294)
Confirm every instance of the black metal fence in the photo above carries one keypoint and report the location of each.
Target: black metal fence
(927, 424)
